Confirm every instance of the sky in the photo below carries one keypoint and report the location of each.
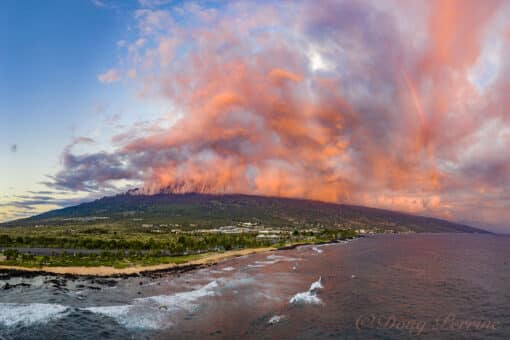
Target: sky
(394, 104)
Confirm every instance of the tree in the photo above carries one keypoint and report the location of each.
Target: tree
(5, 240)
(11, 254)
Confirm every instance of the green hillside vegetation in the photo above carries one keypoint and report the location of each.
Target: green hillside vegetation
(192, 211)
(129, 229)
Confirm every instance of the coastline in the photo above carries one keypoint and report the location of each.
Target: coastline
(108, 271)
(105, 271)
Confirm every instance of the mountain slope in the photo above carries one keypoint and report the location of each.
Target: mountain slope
(207, 211)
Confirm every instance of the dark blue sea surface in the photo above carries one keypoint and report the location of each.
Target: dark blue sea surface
(431, 286)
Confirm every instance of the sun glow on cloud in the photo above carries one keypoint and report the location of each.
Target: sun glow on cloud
(352, 102)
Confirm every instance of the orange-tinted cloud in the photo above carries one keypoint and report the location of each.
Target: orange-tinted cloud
(389, 122)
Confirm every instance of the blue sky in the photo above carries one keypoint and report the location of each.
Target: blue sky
(53, 56)
(52, 53)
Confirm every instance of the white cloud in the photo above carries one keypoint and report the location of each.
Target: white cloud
(317, 61)
(150, 21)
(109, 76)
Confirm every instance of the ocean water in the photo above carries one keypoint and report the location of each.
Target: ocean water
(431, 286)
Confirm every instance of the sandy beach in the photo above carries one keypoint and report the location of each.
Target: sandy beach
(109, 271)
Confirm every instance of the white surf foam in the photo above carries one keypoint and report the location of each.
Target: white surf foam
(228, 269)
(316, 285)
(133, 316)
(153, 312)
(12, 314)
(317, 250)
(282, 258)
(183, 300)
(111, 311)
(264, 263)
(305, 298)
(255, 266)
(272, 259)
(162, 311)
(275, 319)
(310, 296)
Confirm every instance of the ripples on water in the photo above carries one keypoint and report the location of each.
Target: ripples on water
(405, 281)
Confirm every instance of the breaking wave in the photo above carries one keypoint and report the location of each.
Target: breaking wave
(272, 259)
(131, 316)
(183, 300)
(310, 296)
(12, 314)
(317, 250)
(275, 319)
(155, 312)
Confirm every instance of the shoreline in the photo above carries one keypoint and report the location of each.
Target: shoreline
(107, 271)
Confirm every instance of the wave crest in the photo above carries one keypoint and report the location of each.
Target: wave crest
(12, 314)
(310, 296)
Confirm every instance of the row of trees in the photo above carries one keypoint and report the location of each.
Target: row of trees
(175, 245)
(105, 257)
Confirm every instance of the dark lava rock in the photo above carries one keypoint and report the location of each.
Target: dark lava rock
(104, 282)
(9, 286)
(57, 282)
(6, 274)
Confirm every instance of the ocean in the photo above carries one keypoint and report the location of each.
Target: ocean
(430, 286)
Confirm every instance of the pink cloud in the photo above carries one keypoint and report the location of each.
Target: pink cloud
(110, 76)
(389, 122)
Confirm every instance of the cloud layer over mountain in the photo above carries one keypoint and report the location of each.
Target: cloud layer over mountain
(394, 104)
